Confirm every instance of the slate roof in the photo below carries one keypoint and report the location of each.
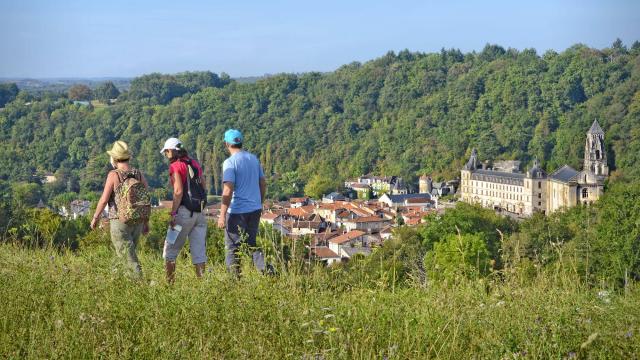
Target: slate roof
(564, 174)
(356, 250)
(335, 196)
(402, 197)
(595, 128)
(500, 174)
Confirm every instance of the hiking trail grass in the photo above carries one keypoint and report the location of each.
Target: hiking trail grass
(77, 306)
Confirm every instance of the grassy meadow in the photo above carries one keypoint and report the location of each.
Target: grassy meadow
(79, 305)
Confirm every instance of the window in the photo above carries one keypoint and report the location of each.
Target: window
(539, 203)
(585, 193)
(598, 154)
(539, 184)
(539, 195)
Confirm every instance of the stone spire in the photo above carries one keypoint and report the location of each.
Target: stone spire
(595, 154)
(472, 164)
(595, 128)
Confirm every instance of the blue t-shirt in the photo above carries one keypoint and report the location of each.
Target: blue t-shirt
(244, 171)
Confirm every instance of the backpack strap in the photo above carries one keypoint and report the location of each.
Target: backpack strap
(120, 176)
(187, 162)
(124, 175)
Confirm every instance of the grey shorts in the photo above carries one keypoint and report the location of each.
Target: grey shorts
(193, 227)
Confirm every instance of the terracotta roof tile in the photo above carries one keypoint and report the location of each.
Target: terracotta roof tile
(347, 237)
(324, 252)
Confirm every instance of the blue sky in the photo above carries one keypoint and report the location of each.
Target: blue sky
(50, 38)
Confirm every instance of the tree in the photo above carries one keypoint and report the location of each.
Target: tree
(26, 194)
(79, 92)
(615, 248)
(8, 93)
(106, 91)
(320, 185)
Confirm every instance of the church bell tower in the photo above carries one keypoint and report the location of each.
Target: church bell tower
(595, 155)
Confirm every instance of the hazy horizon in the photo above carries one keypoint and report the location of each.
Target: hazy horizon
(118, 39)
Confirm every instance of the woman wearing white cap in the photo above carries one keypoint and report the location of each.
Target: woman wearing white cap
(185, 173)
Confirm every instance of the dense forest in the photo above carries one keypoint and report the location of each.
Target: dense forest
(405, 114)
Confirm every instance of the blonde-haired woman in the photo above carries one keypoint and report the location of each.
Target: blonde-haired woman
(124, 236)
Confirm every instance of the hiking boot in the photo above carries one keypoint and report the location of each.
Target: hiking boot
(170, 268)
(199, 269)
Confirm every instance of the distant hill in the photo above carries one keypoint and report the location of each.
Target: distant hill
(403, 114)
(63, 84)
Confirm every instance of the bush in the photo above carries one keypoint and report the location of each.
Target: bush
(469, 219)
(44, 228)
(458, 255)
(613, 242)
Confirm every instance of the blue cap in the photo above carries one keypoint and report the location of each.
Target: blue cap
(233, 136)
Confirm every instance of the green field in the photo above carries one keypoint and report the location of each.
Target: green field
(77, 306)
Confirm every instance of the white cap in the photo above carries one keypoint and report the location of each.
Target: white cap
(171, 144)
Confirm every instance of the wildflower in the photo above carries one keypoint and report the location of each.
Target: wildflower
(328, 316)
(58, 324)
(604, 296)
(571, 355)
(83, 317)
(628, 334)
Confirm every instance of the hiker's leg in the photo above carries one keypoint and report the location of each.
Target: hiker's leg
(116, 228)
(122, 240)
(198, 243)
(170, 271)
(232, 241)
(132, 254)
(171, 251)
(253, 224)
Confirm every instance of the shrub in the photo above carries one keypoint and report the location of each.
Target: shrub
(459, 255)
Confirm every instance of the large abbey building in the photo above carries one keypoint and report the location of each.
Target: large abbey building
(504, 187)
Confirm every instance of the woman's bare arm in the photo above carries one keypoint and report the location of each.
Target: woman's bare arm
(104, 199)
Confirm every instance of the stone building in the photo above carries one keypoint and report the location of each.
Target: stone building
(506, 188)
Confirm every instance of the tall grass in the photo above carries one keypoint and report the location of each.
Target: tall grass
(79, 305)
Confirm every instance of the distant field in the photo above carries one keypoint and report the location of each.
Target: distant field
(76, 306)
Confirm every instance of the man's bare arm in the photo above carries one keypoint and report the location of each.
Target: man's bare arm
(263, 189)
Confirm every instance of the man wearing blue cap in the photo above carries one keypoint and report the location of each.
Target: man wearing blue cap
(243, 191)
